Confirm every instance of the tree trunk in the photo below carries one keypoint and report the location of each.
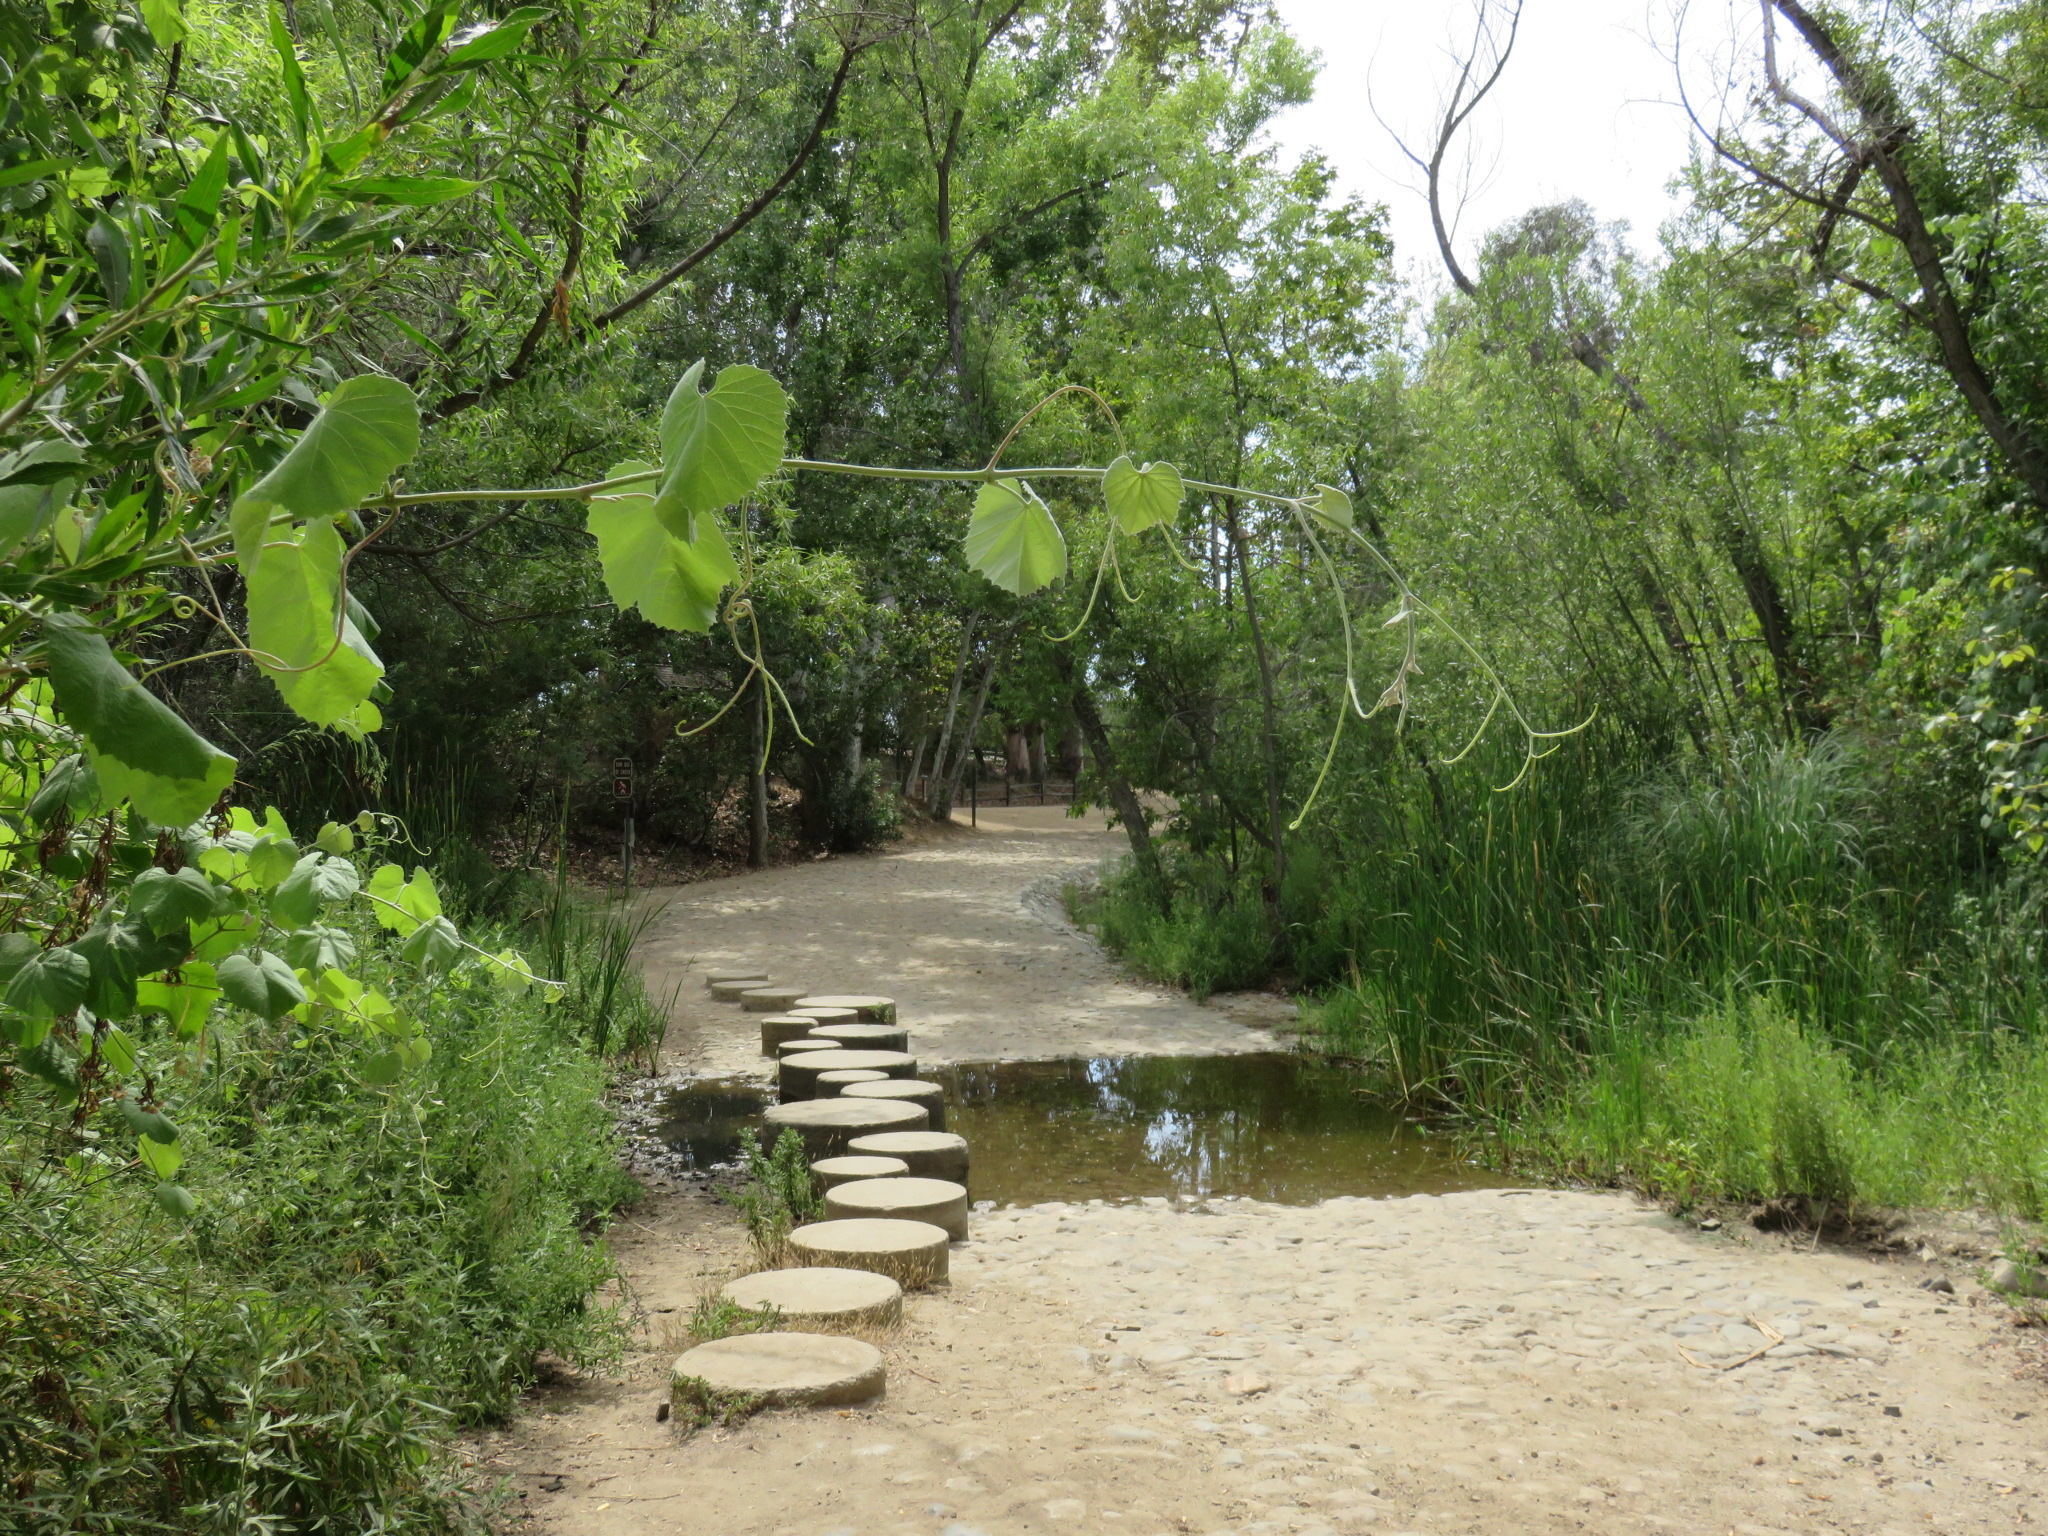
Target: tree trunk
(1128, 809)
(1276, 821)
(757, 776)
(951, 789)
(953, 697)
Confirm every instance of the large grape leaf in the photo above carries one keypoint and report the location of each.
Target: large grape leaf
(716, 447)
(261, 983)
(1012, 539)
(1330, 505)
(368, 427)
(293, 590)
(1141, 498)
(140, 749)
(673, 583)
(316, 881)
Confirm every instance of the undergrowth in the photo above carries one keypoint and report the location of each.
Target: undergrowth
(780, 1193)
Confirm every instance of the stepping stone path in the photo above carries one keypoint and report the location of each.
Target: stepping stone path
(790, 1048)
(913, 1253)
(930, 1154)
(729, 991)
(799, 1074)
(830, 1085)
(827, 1125)
(938, 1201)
(770, 999)
(837, 1170)
(783, 1370)
(827, 1015)
(872, 1010)
(778, 1029)
(822, 1300)
(909, 1091)
(712, 979)
(865, 1037)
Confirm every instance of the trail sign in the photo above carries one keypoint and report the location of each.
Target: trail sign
(622, 778)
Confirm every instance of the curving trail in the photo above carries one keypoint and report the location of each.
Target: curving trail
(1497, 1361)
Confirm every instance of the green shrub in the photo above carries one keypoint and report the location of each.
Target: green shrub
(780, 1192)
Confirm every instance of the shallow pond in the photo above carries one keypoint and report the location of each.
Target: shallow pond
(1274, 1126)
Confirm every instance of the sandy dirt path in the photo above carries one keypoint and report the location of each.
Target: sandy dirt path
(1497, 1361)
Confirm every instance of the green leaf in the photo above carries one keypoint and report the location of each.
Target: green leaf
(51, 983)
(161, 1158)
(334, 838)
(261, 983)
(673, 583)
(368, 427)
(716, 447)
(119, 954)
(1012, 539)
(140, 749)
(70, 786)
(404, 191)
(319, 949)
(294, 77)
(483, 43)
(1330, 505)
(272, 858)
(316, 881)
(434, 945)
(382, 1069)
(117, 1050)
(147, 1122)
(1141, 498)
(108, 243)
(303, 642)
(166, 902)
(34, 488)
(413, 1052)
(176, 1200)
(16, 950)
(166, 22)
(49, 1060)
(186, 1003)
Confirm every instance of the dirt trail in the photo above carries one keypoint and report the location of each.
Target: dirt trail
(1498, 1361)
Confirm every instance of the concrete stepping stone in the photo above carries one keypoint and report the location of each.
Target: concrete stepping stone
(758, 977)
(913, 1253)
(830, 1085)
(798, 1075)
(910, 1091)
(827, 1125)
(784, 1370)
(931, 1154)
(780, 1029)
(804, 1043)
(872, 1010)
(828, 1015)
(770, 999)
(938, 1201)
(729, 991)
(864, 1037)
(822, 1300)
(837, 1170)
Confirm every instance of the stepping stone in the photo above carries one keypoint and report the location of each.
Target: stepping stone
(828, 1015)
(781, 1028)
(938, 1201)
(913, 1253)
(864, 1037)
(872, 1010)
(803, 1043)
(783, 1370)
(910, 1091)
(798, 1074)
(826, 1125)
(822, 1300)
(770, 999)
(758, 977)
(837, 1170)
(931, 1154)
(830, 1085)
(729, 991)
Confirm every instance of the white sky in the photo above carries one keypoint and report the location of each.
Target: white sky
(1586, 109)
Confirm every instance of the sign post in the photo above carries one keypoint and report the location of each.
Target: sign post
(622, 792)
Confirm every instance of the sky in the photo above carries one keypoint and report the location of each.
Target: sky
(1586, 109)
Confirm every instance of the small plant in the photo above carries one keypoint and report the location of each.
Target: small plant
(720, 1317)
(695, 1404)
(780, 1193)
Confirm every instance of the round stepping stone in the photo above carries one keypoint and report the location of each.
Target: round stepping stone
(822, 1300)
(828, 1015)
(757, 976)
(837, 1170)
(783, 1370)
(913, 1253)
(729, 991)
(830, 1085)
(798, 1075)
(910, 1091)
(871, 1010)
(826, 1125)
(931, 1154)
(780, 1029)
(770, 999)
(938, 1201)
(864, 1037)
(804, 1043)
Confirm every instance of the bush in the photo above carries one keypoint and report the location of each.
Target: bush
(1209, 938)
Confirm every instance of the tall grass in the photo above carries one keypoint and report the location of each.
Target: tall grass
(1579, 954)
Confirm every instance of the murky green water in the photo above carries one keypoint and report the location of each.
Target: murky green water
(1273, 1126)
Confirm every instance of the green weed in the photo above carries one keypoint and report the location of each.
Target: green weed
(780, 1192)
